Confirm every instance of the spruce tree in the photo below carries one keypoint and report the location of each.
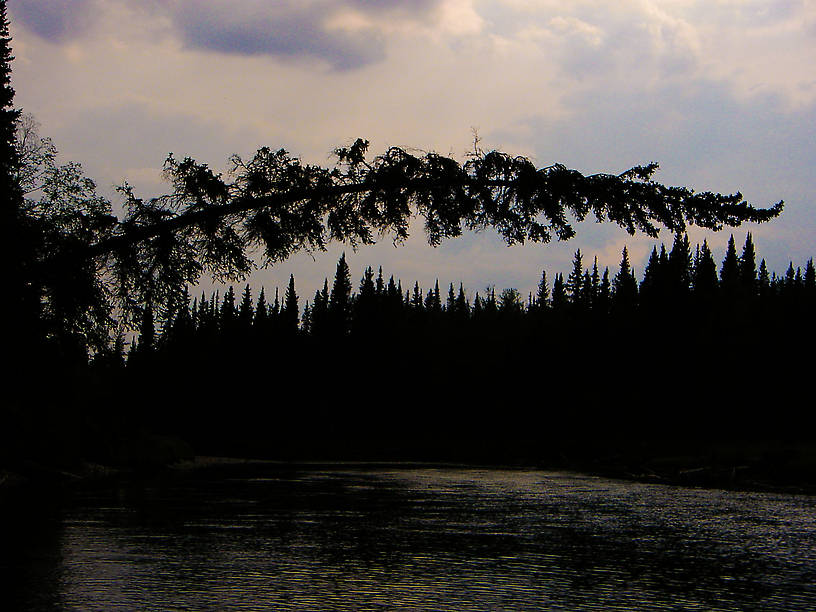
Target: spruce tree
(763, 281)
(704, 279)
(650, 290)
(245, 311)
(450, 303)
(259, 320)
(730, 270)
(290, 314)
(319, 326)
(366, 307)
(462, 306)
(810, 279)
(367, 289)
(510, 306)
(19, 234)
(586, 292)
(604, 294)
(624, 286)
(595, 284)
(416, 299)
(380, 287)
(542, 298)
(478, 308)
(559, 294)
(340, 298)
(575, 280)
(306, 321)
(228, 316)
(679, 269)
(433, 301)
(747, 268)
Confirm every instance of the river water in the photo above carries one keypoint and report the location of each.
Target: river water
(351, 537)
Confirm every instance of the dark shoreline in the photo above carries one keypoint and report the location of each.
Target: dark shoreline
(48, 480)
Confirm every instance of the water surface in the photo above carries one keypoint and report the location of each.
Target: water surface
(349, 537)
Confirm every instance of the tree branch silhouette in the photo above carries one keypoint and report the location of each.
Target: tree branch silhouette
(276, 205)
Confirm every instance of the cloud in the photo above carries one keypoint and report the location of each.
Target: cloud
(55, 20)
(346, 34)
(285, 30)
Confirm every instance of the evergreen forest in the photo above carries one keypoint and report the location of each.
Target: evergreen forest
(696, 346)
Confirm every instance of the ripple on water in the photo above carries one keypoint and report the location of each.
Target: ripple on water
(424, 539)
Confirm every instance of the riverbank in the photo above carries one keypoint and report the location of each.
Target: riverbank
(737, 466)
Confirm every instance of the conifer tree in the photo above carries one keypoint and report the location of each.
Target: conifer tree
(245, 311)
(394, 294)
(290, 314)
(763, 281)
(704, 280)
(747, 268)
(275, 308)
(595, 284)
(306, 321)
(340, 298)
(320, 311)
(433, 301)
(559, 294)
(650, 290)
(604, 294)
(679, 268)
(586, 292)
(478, 307)
(260, 320)
(17, 234)
(542, 298)
(450, 303)
(367, 289)
(202, 318)
(366, 307)
(509, 304)
(624, 286)
(810, 279)
(489, 305)
(462, 306)
(730, 272)
(417, 303)
(227, 319)
(380, 288)
(575, 280)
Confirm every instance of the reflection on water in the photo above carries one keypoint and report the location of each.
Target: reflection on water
(351, 538)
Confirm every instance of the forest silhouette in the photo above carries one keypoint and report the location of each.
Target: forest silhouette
(383, 370)
(690, 351)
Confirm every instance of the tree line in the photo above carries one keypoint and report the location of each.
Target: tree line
(676, 281)
(693, 346)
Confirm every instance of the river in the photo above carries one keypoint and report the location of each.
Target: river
(355, 537)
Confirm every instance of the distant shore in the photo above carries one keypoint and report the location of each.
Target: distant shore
(708, 477)
(777, 468)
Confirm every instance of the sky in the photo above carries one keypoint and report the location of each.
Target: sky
(722, 93)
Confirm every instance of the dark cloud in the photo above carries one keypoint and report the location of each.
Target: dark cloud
(296, 30)
(55, 20)
(288, 29)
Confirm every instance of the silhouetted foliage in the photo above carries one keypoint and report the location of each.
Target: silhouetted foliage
(498, 338)
(81, 270)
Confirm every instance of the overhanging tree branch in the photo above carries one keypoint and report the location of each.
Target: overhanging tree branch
(275, 205)
(281, 204)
